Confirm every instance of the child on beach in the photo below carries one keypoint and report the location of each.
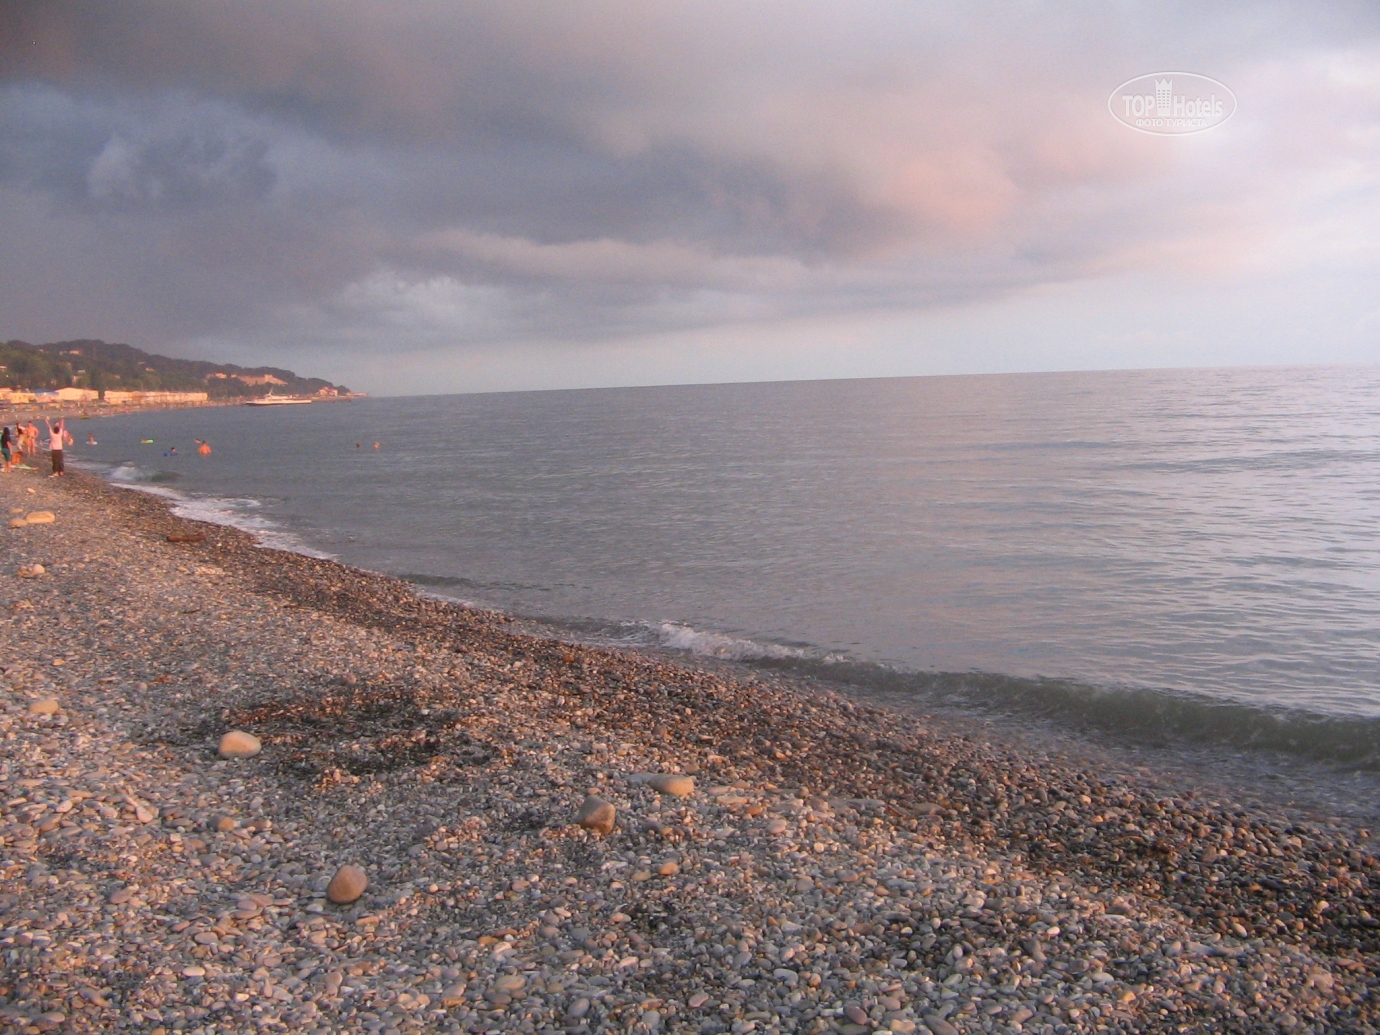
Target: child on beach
(5, 448)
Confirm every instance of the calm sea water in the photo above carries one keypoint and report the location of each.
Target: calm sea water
(1186, 554)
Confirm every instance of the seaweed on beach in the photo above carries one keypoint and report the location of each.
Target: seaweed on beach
(364, 732)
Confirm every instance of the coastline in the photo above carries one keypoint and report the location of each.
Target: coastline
(91, 411)
(839, 867)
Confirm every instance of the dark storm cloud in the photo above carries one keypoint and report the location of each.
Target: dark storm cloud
(490, 172)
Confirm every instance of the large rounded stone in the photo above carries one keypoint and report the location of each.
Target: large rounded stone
(596, 814)
(18, 522)
(347, 885)
(239, 744)
(45, 706)
(673, 784)
(40, 517)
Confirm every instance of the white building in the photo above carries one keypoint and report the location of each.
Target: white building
(77, 395)
(153, 398)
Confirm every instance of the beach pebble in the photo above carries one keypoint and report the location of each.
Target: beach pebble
(239, 744)
(18, 522)
(225, 824)
(511, 984)
(347, 885)
(697, 1000)
(40, 517)
(578, 1009)
(453, 995)
(596, 814)
(669, 868)
(31, 571)
(939, 1025)
(45, 706)
(777, 826)
(675, 785)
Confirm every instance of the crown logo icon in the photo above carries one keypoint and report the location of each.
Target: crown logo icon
(1164, 96)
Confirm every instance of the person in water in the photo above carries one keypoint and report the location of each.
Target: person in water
(204, 448)
(91, 439)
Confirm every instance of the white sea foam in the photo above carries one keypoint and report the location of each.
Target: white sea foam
(735, 648)
(234, 512)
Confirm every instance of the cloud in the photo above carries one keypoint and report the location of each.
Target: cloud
(411, 174)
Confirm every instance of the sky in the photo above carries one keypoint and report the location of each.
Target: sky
(428, 196)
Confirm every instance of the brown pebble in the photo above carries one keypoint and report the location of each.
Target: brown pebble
(596, 814)
(669, 868)
(672, 784)
(454, 995)
(45, 706)
(239, 744)
(225, 824)
(347, 885)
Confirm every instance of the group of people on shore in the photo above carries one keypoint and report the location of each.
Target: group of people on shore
(23, 442)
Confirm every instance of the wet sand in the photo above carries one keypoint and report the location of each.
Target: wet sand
(836, 866)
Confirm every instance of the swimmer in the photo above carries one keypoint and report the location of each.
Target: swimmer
(91, 439)
(204, 448)
(146, 441)
(171, 452)
(376, 445)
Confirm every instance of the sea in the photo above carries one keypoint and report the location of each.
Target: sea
(1181, 559)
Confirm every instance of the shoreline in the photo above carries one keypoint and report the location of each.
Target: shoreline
(94, 411)
(839, 867)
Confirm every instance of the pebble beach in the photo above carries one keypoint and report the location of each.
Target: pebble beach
(248, 790)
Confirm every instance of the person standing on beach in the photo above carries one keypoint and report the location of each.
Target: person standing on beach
(5, 447)
(31, 439)
(57, 439)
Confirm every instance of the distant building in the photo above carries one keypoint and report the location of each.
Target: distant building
(328, 392)
(77, 395)
(15, 395)
(153, 398)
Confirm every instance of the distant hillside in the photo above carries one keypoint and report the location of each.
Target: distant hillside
(102, 365)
